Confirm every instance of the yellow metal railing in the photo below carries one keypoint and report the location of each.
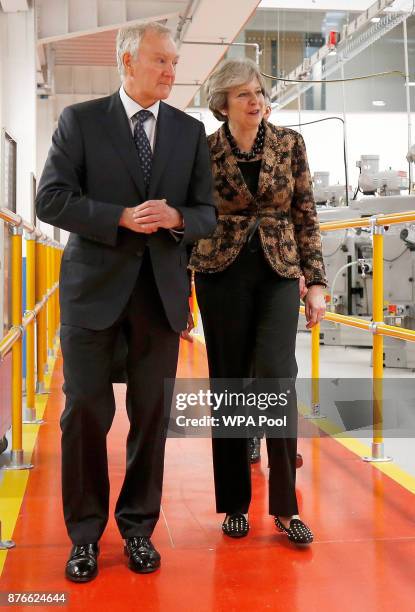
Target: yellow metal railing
(377, 327)
(40, 321)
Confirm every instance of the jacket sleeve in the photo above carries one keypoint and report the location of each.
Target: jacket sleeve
(200, 214)
(60, 200)
(304, 217)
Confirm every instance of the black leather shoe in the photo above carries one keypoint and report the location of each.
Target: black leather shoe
(254, 449)
(82, 565)
(143, 557)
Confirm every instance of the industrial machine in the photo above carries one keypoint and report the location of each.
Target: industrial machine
(329, 195)
(348, 258)
(372, 181)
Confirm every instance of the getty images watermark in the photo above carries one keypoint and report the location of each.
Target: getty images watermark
(218, 401)
(231, 408)
(284, 408)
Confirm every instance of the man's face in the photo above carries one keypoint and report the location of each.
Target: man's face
(150, 77)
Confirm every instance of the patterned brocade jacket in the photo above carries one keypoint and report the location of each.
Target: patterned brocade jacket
(283, 205)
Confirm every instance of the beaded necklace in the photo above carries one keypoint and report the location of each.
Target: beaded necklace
(256, 149)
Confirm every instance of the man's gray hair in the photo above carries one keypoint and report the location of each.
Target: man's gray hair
(129, 38)
(230, 73)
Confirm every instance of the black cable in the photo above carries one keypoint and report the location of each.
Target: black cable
(342, 241)
(397, 257)
(334, 252)
(357, 78)
(344, 146)
(358, 188)
(356, 192)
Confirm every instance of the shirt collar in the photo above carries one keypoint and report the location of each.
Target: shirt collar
(132, 107)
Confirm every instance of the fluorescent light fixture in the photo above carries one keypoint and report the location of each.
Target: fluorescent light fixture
(378, 103)
(411, 84)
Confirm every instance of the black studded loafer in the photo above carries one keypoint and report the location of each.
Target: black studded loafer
(298, 533)
(82, 565)
(254, 449)
(236, 526)
(143, 558)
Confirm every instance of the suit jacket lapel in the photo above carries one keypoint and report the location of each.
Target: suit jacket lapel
(118, 127)
(167, 133)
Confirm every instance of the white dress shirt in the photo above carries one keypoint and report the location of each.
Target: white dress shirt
(132, 107)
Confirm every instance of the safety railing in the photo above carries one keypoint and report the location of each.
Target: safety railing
(39, 322)
(377, 327)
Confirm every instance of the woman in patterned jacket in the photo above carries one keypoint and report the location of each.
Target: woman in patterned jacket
(247, 279)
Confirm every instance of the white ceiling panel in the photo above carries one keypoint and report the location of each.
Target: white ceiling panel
(216, 19)
(148, 8)
(58, 19)
(14, 5)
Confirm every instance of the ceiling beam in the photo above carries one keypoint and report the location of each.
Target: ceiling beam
(107, 28)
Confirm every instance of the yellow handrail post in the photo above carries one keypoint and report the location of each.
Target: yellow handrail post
(377, 385)
(17, 455)
(315, 374)
(39, 369)
(53, 296)
(30, 409)
(45, 317)
(60, 252)
(49, 305)
(56, 294)
(41, 318)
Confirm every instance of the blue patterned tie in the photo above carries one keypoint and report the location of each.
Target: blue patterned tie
(142, 144)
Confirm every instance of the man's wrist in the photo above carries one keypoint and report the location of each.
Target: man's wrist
(180, 225)
(121, 220)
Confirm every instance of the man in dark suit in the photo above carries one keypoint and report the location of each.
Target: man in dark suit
(129, 177)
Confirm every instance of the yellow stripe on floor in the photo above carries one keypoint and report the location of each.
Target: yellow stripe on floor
(13, 482)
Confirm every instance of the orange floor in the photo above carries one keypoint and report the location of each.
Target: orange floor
(362, 558)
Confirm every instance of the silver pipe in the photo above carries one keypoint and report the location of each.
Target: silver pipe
(346, 161)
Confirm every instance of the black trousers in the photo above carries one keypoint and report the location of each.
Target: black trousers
(250, 317)
(90, 408)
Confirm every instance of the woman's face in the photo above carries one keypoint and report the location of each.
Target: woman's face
(245, 105)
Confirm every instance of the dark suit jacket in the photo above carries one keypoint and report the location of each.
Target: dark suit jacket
(283, 206)
(91, 173)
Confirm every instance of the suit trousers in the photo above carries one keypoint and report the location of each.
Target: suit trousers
(90, 408)
(250, 317)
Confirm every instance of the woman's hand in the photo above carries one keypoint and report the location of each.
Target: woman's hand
(315, 305)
